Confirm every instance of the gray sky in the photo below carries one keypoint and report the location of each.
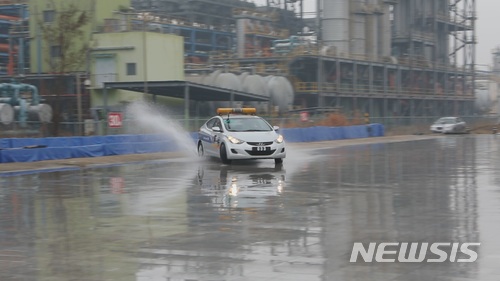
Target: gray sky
(487, 32)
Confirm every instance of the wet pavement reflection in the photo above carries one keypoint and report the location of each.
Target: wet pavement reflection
(183, 220)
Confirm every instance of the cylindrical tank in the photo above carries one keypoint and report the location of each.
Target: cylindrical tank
(41, 113)
(335, 24)
(483, 101)
(358, 35)
(6, 113)
(228, 81)
(280, 93)
(210, 79)
(372, 30)
(384, 31)
(256, 84)
(402, 17)
(241, 26)
(358, 40)
(278, 88)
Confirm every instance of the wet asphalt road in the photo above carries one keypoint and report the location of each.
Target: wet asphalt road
(181, 219)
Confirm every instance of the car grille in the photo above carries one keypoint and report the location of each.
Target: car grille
(260, 153)
(260, 143)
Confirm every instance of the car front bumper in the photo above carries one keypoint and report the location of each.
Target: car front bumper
(247, 151)
(437, 129)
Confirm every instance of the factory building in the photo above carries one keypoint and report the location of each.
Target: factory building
(382, 57)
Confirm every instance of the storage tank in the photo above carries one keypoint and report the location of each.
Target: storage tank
(227, 81)
(372, 30)
(256, 84)
(210, 79)
(483, 101)
(384, 32)
(280, 92)
(335, 24)
(6, 113)
(359, 15)
(278, 88)
(241, 26)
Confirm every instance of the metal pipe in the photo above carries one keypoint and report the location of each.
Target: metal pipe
(79, 103)
(186, 106)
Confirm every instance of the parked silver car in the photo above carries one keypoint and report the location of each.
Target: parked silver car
(449, 125)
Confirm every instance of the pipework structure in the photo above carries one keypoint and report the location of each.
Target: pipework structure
(14, 38)
(382, 57)
(390, 57)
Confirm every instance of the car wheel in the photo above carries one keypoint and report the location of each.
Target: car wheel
(201, 150)
(223, 154)
(278, 160)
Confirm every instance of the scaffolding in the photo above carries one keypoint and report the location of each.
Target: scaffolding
(405, 69)
(419, 77)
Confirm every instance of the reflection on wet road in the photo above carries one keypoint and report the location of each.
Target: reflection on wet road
(184, 220)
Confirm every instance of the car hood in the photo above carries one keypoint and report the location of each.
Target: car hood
(442, 125)
(254, 136)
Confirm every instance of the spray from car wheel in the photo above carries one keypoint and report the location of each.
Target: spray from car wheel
(150, 119)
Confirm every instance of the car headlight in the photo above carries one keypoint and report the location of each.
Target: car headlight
(234, 140)
(279, 139)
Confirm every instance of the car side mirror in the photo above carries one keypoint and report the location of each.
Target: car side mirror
(276, 128)
(216, 129)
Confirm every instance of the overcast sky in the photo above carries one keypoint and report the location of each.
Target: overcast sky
(487, 32)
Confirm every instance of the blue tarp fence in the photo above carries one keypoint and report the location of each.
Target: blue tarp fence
(38, 149)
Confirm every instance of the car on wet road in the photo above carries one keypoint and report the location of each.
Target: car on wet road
(238, 133)
(449, 125)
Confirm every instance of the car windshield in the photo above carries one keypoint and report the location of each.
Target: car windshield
(446, 121)
(246, 125)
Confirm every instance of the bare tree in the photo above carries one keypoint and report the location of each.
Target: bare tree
(66, 46)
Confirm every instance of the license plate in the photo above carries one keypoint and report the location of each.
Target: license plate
(261, 148)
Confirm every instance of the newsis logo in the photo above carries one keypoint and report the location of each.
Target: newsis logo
(415, 252)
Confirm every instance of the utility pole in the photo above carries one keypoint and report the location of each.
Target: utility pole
(320, 62)
(144, 55)
(79, 103)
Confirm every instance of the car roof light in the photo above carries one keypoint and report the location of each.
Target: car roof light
(246, 110)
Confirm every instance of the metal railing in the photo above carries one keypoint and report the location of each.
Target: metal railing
(313, 87)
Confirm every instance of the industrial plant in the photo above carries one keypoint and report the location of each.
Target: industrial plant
(385, 58)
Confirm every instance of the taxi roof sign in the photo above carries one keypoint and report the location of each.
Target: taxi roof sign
(247, 110)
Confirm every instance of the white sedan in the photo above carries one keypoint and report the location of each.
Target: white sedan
(238, 134)
(448, 125)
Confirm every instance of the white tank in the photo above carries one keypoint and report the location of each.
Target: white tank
(384, 31)
(256, 84)
(280, 92)
(335, 24)
(41, 113)
(228, 81)
(358, 40)
(6, 113)
(210, 79)
(278, 88)
(483, 101)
